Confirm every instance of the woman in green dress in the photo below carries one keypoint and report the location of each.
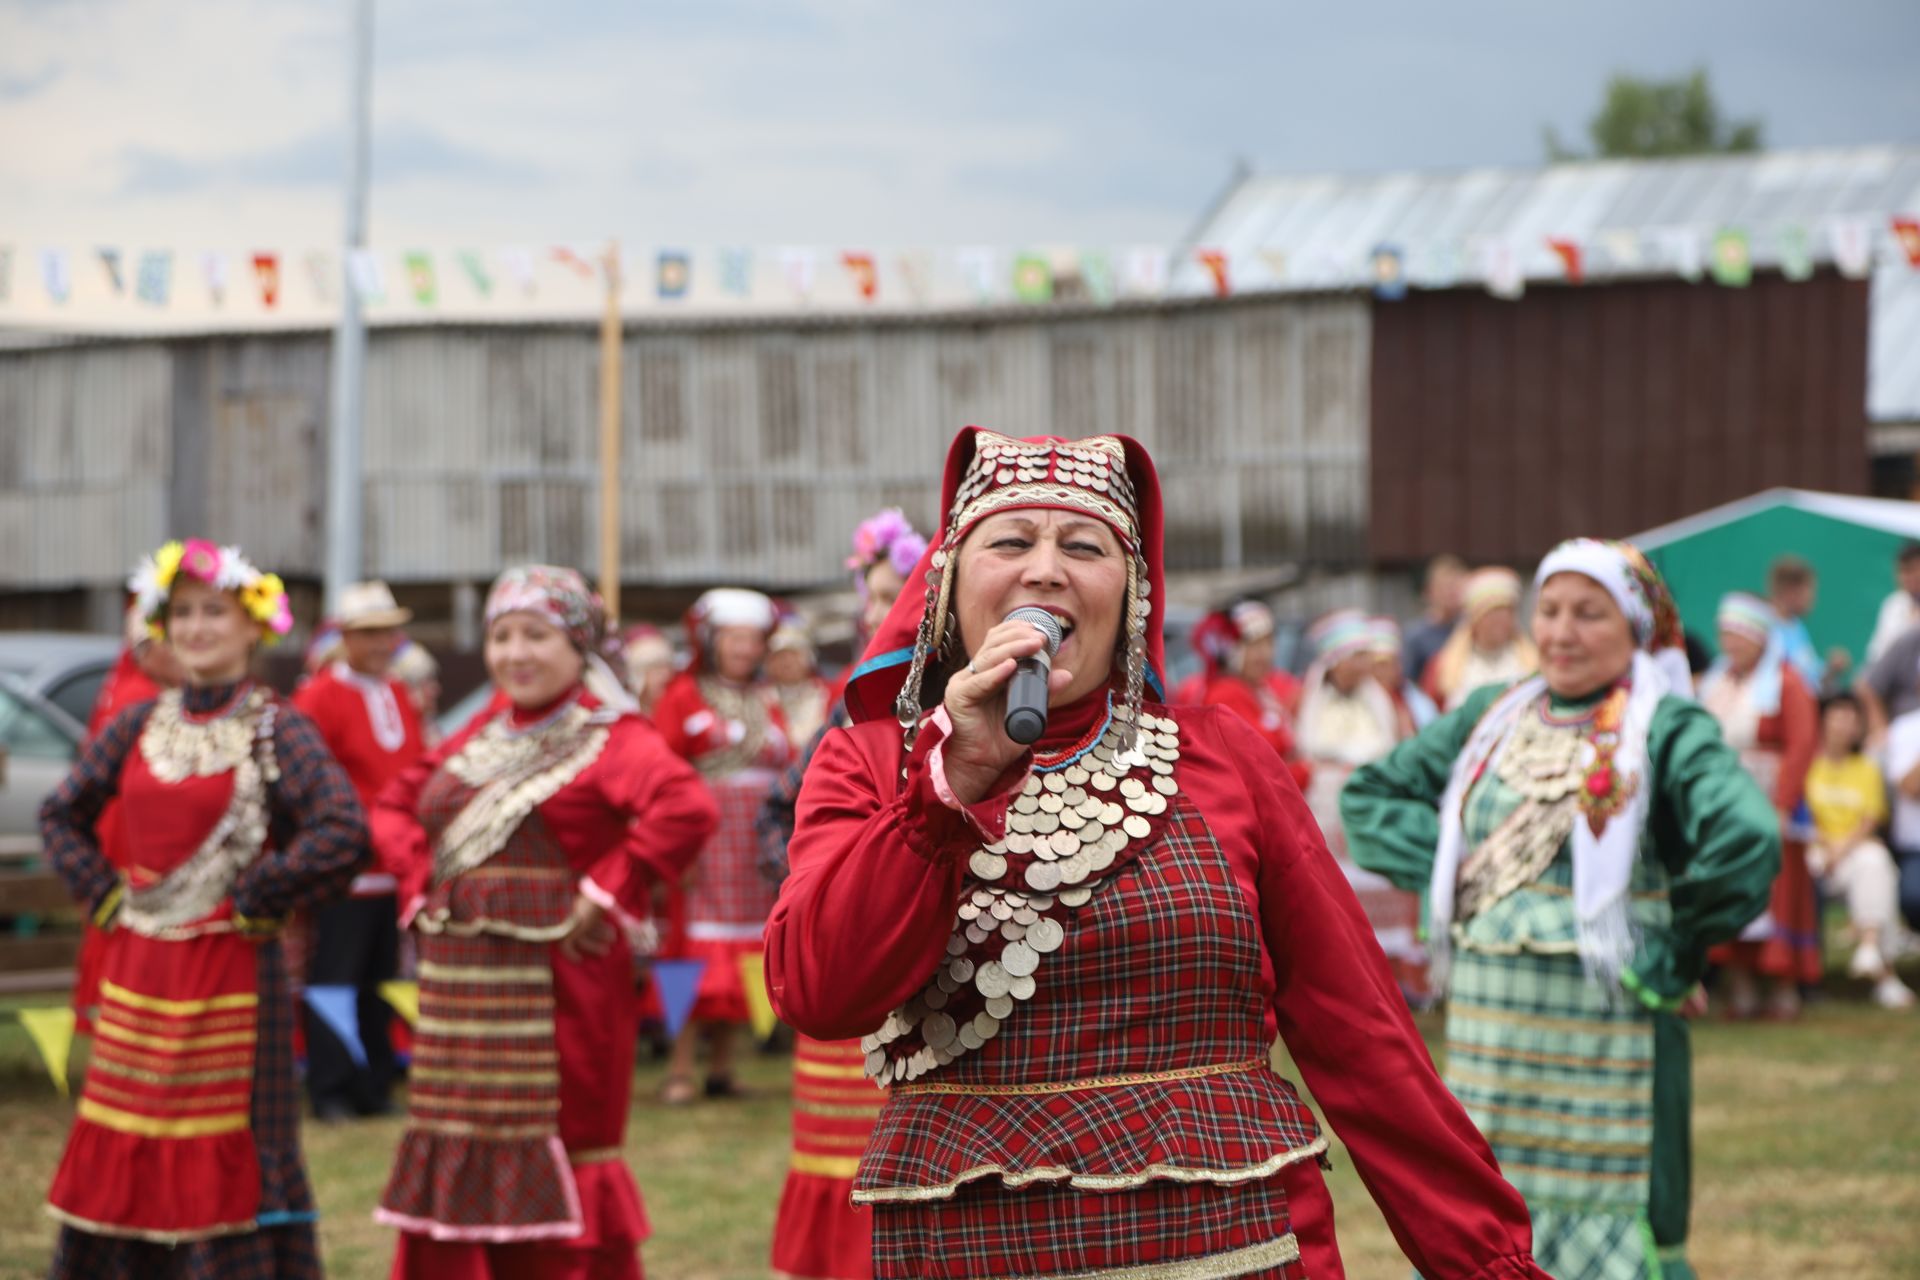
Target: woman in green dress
(1580, 839)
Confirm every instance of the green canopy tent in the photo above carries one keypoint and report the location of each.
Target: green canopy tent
(1851, 543)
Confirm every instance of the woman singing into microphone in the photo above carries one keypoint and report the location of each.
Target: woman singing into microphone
(1069, 960)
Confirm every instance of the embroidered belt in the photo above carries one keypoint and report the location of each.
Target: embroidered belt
(1076, 1086)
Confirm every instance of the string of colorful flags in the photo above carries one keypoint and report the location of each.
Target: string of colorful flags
(338, 1009)
(156, 280)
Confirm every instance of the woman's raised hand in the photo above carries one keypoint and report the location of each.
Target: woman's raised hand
(979, 750)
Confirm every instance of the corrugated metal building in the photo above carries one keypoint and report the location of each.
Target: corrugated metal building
(750, 449)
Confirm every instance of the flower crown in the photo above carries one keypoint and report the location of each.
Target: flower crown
(262, 595)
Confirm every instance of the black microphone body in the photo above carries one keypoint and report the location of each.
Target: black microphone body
(1027, 691)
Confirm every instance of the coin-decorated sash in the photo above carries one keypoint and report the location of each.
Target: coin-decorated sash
(1080, 817)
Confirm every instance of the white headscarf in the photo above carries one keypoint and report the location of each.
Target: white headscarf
(1602, 860)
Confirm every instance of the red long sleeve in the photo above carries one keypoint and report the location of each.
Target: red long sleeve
(1798, 728)
(865, 914)
(400, 843)
(654, 812)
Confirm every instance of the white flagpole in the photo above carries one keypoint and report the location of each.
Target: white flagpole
(343, 563)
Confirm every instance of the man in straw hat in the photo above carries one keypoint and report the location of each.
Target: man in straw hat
(371, 725)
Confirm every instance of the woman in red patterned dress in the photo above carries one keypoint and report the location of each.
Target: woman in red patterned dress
(513, 843)
(722, 717)
(1069, 961)
(184, 1160)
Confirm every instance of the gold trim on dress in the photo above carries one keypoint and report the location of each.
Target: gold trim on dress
(1641, 1028)
(1546, 1088)
(107, 1066)
(1092, 1082)
(1547, 1059)
(111, 990)
(834, 1111)
(175, 1044)
(148, 1127)
(1215, 1266)
(463, 1027)
(533, 975)
(593, 1155)
(1015, 1179)
(93, 1228)
(487, 1133)
(429, 1100)
(829, 1071)
(842, 1167)
(425, 1075)
(115, 1096)
(170, 1065)
(237, 1020)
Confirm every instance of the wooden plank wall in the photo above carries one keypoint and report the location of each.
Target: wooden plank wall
(1500, 428)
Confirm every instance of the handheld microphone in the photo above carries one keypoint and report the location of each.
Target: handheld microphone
(1027, 692)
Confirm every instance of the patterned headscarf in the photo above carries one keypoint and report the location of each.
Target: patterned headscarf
(1108, 477)
(1626, 574)
(559, 595)
(1490, 589)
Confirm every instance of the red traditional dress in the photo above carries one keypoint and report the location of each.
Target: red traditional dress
(184, 1160)
(125, 686)
(1777, 746)
(1070, 988)
(523, 1058)
(736, 736)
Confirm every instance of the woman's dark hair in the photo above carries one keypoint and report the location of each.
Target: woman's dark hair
(1845, 698)
(1908, 553)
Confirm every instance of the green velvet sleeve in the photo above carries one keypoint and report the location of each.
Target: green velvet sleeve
(1390, 809)
(1717, 835)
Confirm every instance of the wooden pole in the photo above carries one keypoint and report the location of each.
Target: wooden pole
(610, 439)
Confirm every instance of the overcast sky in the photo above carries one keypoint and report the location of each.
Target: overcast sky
(848, 121)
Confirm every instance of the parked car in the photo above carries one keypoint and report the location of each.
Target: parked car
(38, 744)
(66, 668)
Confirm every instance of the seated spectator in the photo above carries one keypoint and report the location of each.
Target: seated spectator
(1901, 609)
(1849, 803)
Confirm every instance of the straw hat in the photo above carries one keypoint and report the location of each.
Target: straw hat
(366, 606)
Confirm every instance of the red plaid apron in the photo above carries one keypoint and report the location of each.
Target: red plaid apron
(481, 1158)
(1125, 1117)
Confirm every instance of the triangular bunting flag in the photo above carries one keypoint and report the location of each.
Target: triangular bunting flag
(1732, 258)
(1146, 273)
(156, 277)
(1572, 262)
(866, 276)
(51, 1031)
(1096, 273)
(403, 998)
(110, 260)
(338, 1009)
(1796, 254)
(363, 273)
(1032, 278)
(736, 272)
(678, 982)
(55, 274)
(800, 267)
(476, 268)
(420, 277)
(753, 976)
(1852, 241)
(519, 264)
(1500, 265)
(213, 269)
(916, 273)
(266, 270)
(567, 258)
(1389, 273)
(674, 274)
(1906, 232)
(1215, 261)
(976, 264)
(320, 275)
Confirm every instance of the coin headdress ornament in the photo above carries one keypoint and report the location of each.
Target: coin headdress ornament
(1089, 476)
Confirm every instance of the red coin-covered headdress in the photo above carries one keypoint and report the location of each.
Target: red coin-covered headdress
(1109, 477)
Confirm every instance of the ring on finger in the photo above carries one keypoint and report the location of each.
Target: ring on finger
(971, 669)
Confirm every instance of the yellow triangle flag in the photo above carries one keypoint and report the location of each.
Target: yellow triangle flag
(403, 998)
(52, 1032)
(759, 1009)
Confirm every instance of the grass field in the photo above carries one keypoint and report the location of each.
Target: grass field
(1807, 1162)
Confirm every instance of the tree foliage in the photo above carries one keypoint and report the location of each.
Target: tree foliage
(1646, 117)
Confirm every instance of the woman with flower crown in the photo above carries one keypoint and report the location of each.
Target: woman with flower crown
(517, 844)
(1069, 959)
(1579, 839)
(184, 1159)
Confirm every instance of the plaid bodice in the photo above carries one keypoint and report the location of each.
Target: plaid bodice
(526, 889)
(1539, 916)
(1143, 1053)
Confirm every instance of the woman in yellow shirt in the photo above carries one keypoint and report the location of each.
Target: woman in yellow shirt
(1849, 803)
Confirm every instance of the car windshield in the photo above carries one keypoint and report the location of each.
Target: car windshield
(28, 734)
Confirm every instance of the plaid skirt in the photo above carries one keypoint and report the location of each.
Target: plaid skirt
(1561, 1084)
(1051, 1231)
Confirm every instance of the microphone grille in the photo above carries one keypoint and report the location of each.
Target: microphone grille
(1043, 622)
